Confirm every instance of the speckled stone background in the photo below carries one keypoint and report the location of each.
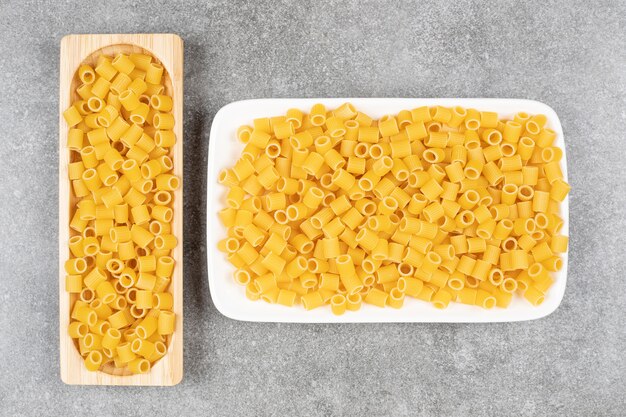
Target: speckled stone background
(568, 54)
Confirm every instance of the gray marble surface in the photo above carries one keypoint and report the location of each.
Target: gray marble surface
(570, 55)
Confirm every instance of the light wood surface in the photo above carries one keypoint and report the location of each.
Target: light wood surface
(76, 49)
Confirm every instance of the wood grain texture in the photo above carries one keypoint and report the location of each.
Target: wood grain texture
(76, 49)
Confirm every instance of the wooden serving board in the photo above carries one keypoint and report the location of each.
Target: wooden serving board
(75, 50)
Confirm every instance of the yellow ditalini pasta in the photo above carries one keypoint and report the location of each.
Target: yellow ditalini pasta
(120, 139)
(333, 208)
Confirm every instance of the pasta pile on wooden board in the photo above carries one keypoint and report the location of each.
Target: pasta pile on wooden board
(440, 204)
(121, 174)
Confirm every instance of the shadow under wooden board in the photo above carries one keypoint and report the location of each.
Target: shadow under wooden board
(166, 49)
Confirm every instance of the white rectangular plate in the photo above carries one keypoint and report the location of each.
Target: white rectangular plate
(225, 149)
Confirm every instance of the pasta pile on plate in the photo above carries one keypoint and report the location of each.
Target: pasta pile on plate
(440, 204)
(122, 183)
